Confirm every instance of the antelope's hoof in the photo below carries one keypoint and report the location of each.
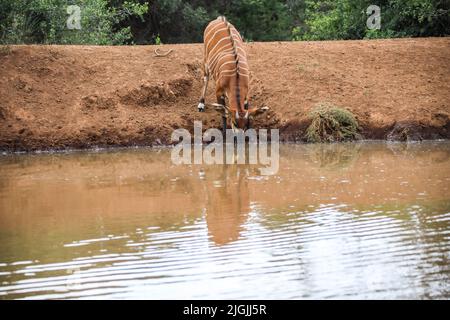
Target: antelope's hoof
(201, 107)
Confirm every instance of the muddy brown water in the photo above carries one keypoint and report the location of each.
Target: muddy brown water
(367, 220)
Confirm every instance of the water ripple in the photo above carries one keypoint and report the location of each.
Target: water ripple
(229, 234)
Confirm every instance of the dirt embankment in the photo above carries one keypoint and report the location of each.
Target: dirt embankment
(57, 97)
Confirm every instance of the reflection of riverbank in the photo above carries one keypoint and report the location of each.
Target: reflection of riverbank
(140, 183)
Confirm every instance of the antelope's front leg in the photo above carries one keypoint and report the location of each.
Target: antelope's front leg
(221, 101)
(224, 122)
(201, 105)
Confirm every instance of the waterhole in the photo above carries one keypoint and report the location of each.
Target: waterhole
(364, 220)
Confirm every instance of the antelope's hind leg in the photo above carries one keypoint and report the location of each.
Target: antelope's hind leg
(201, 104)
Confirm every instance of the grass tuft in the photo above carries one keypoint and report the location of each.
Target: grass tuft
(332, 124)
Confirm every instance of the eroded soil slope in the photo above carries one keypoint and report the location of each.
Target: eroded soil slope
(56, 97)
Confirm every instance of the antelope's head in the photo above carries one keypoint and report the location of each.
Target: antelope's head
(240, 117)
(241, 113)
(239, 107)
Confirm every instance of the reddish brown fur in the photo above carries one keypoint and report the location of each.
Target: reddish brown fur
(226, 60)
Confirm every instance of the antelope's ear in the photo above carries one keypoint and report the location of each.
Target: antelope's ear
(259, 110)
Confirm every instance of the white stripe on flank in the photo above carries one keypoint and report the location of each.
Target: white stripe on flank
(218, 42)
(223, 52)
(239, 35)
(241, 70)
(217, 68)
(221, 58)
(225, 49)
(237, 44)
(227, 54)
(234, 71)
(205, 36)
(214, 35)
(217, 63)
(226, 63)
(232, 75)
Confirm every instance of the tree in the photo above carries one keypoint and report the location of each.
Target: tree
(176, 21)
(44, 21)
(346, 19)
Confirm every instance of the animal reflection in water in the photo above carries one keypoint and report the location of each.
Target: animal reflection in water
(227, 203)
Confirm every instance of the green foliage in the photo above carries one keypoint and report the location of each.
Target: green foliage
(178, 21)
(331, 124)
(261, 20)
(183, 21)
(346, 19)
(158, 40)
(45, 21)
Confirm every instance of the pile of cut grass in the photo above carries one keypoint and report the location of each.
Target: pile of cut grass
(332, 124)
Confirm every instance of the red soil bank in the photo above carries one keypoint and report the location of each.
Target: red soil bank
(57, 97)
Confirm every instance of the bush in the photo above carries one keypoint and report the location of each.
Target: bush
(346, 19)
(45, 22)
(331, 124)
(183, 21)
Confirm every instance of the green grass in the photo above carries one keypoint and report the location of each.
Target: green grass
(332, 124)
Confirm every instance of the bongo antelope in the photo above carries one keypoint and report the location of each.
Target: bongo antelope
(226, 60)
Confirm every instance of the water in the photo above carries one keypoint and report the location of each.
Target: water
(367, 220)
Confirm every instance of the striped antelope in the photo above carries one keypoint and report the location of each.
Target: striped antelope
(226, 60)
